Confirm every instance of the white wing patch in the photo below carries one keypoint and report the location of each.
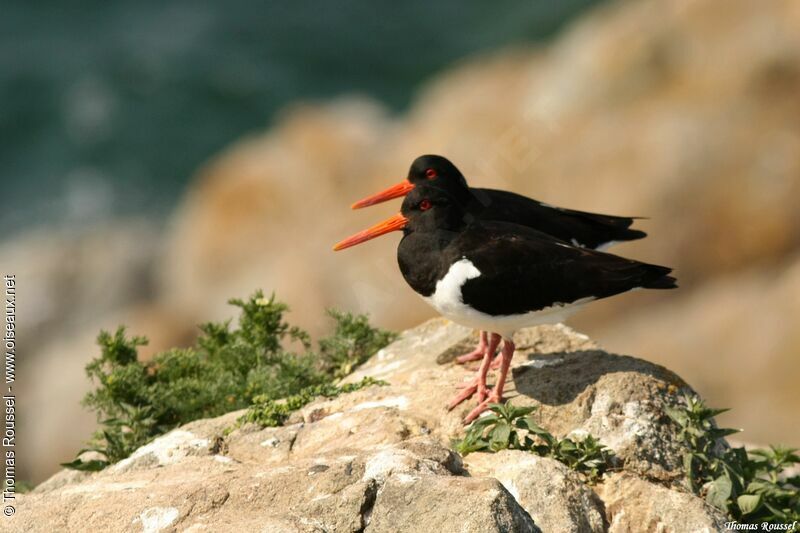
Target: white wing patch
(447, 297)
(448, 301)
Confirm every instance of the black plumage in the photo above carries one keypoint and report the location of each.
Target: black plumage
(591, 230)
(521, 269)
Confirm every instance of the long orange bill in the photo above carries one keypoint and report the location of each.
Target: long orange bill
(394, 223)
(395, 191)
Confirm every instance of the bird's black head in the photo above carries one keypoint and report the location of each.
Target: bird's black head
(429, 208)
(437, 204)
(426, 208)
(435, 169)
(431, 169)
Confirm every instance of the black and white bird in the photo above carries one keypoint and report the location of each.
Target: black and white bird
(580, 228)
(498, 276)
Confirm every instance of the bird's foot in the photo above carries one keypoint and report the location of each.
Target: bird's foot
(474, 355)
(477, 353)
(483, 406)
(478, 384)
(468, 388)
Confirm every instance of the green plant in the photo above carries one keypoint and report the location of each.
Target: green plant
(749, 486)
(268, 412)
(229, 368)
(352, 342)
(510, 427)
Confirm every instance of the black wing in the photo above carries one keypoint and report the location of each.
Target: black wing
(524, 270)
(587, 229)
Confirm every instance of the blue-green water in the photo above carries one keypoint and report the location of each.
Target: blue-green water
(107, 107)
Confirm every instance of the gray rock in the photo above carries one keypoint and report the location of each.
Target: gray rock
(447, 504)
(578, 389)
(633, 504)
(380, 459)
(554, 496)
(617, 399)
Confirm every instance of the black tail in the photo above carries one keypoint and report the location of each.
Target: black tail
(608, 228)
(657, 277)
(588, 230)
(626, 234)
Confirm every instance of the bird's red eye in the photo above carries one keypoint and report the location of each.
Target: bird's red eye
(424, 205)
(430, 173)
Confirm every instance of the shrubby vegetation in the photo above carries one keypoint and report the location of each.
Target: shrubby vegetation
(268, 412)
(229, 368)
(513, 428)
(749, 486)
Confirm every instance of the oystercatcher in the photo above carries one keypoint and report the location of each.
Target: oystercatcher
(498, 276)
(589, 230)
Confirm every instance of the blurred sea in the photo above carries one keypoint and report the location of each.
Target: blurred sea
(109, 107)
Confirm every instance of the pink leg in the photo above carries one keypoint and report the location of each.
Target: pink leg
(496, 396)
(475, 354)
(494, 340)
(479, 383)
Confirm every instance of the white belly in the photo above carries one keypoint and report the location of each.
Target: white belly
(447, 300)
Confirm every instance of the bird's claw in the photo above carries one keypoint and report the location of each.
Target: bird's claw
(468, 388)
(482, 406)
(467, 391)
(474, 355)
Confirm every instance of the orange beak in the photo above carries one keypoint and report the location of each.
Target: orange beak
(394, 223)
(395, 191)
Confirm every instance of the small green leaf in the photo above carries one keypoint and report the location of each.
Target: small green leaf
(715, 412)
(748, 503)
(719, 491)
(719, 433)
(519, 412)
(499, 437)
(678, 415)
(533, 427)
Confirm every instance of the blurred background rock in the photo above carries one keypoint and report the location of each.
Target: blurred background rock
(159, 159)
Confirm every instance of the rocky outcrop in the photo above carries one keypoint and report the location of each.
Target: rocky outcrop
(556, 498)
(633, 504)
(380, 460)
(681, 111)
